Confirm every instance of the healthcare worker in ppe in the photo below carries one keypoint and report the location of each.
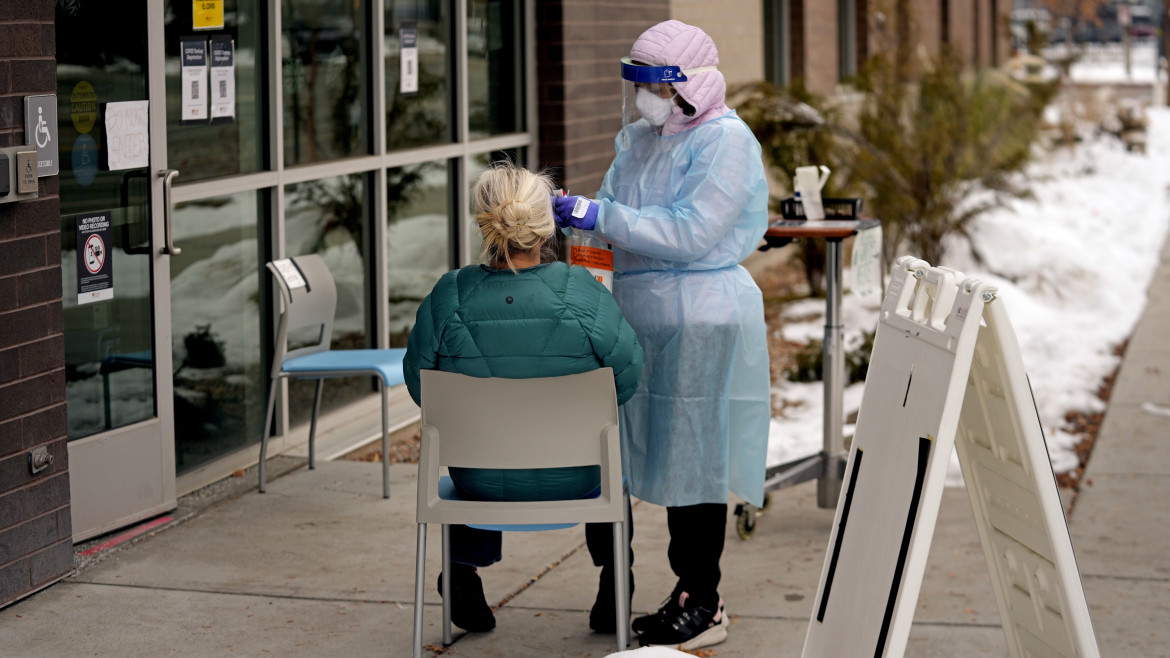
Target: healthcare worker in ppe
(684, 202)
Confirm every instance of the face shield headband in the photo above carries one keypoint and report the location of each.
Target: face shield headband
(653, 78)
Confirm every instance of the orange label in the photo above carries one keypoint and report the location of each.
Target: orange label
(601, 259)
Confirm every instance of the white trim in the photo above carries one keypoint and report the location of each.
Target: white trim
(223, 186)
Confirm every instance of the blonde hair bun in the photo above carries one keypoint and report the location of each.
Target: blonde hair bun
(513, 210)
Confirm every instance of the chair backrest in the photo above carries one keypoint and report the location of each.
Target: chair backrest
(310, 305)
(545, 422)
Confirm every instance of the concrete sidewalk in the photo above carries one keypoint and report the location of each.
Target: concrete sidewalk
(322, 565)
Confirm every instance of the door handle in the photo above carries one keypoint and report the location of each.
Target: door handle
(169, 247)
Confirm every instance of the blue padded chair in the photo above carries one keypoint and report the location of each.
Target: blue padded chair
(545, 422)
(310, 300)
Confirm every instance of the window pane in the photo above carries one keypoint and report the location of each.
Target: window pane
(219, 379)
(109, 343)
(479, 164)
(418, 240)
(221, 146)
(418, 114)
(323, 49)
(495, 68)
(328, 217)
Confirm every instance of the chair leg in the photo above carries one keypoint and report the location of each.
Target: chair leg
(447, 637)
(313, 424)
(385, 438)
(267, 429)
(621, 588)
(419, 578)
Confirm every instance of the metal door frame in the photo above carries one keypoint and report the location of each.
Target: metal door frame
(128, 474)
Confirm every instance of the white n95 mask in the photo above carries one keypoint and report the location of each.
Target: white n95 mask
(655, 108)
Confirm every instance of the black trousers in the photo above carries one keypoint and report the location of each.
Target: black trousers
(696, 546)
(480, 548)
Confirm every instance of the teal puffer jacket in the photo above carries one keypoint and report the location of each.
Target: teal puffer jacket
(543, 321)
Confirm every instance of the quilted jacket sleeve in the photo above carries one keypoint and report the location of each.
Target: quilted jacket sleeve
(422, 349)
(613, 339)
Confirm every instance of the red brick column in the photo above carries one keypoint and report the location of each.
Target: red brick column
(36, 545)
(579, 44)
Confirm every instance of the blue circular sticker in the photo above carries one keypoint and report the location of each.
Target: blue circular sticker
(85, 160)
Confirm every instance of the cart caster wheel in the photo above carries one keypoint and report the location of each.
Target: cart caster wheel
(745, 522)
(767, 502)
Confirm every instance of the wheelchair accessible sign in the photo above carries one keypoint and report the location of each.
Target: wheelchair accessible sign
(40, 130)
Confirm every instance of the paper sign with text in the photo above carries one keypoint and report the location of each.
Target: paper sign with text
(128, 134)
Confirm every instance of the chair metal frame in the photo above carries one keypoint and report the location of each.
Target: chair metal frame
(313, 305)
(546, 422)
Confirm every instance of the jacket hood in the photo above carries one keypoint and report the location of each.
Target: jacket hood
(674, 43)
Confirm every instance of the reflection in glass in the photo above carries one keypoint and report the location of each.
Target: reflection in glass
(421, 117)
(205, 149)
(219, 378)
(495, 67)
(480, 163)
(418, 240)
(328, 217)
(109, 349)
(323, 50)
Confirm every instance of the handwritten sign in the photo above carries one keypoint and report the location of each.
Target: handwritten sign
(127, 134)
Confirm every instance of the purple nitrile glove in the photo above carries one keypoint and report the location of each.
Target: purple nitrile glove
(575, 212)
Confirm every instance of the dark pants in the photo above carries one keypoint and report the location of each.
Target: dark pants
(696, 545)
(480, 548)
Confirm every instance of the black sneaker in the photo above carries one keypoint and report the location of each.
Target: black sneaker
(603, 617)
(694, 627)
(469, 608)
(668, 612)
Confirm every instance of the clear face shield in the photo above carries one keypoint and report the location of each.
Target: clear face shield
(648, 91)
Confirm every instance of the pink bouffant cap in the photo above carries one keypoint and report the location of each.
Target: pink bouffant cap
(674, 43)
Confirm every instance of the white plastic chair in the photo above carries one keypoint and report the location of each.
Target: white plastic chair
(310, 299)
(545, 422)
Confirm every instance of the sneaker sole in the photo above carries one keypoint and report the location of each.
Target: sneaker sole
(707, 638)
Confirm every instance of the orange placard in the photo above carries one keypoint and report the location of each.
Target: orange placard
(601, 259)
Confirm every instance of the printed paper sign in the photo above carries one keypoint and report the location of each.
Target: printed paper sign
(867, 262)
(95, 259)
(223, 79)
(207, 14)
(408, 58)
(128, 134)
(194, 79)
(289, 272)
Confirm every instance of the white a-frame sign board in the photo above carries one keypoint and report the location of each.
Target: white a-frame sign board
(946, 371)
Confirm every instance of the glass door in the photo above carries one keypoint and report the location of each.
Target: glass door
(115, 263)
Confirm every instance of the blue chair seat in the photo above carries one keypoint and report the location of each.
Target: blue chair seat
(447, 491)
(345, 363)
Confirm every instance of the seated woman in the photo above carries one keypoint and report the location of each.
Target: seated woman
(516, 317)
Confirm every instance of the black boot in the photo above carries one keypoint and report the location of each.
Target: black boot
(469, 608)
(603, 616)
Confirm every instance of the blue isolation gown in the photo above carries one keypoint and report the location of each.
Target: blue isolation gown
(681, 212)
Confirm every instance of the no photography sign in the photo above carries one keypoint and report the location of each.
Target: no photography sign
(95, 260)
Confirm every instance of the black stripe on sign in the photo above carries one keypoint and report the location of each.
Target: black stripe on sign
(911, 515)
(840, 535)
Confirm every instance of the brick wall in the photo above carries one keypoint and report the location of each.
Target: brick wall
(36, 546)
(579, 99)
(821, 31)
(736, 27)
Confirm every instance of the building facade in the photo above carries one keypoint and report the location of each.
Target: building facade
(209, 138)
